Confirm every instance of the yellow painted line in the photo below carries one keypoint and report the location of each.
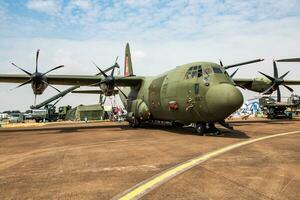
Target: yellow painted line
(141, 189)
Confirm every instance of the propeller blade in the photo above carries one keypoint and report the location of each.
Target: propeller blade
(232, 75)
(102, 72)
(278, 95)
(114, 66)
(54, 88)
(110, 68)
(284, 75)
(51, 86)
(269, 77)
(289, 88)
(122, 92)
(113, 71)
(289, 60)
(36, 60)
(275, 69)
(21, 69)
(243, 63)
(221, 63)
(26, 82)
(55, 68)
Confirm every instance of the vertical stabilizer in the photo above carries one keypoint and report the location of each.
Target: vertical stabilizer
(128, 71)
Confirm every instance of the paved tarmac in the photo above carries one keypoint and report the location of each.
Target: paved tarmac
(103, 160)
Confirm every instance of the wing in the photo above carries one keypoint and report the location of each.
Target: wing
(259, 84)
(292, 82)
(246, 82)
(81, 80)
(91, 92)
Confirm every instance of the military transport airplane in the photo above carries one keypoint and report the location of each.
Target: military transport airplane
(201, 93)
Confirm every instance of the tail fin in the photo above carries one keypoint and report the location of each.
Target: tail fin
(128, 71)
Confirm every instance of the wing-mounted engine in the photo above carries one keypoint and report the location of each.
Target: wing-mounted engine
(276, 80)
(107, 84)
(37, 79)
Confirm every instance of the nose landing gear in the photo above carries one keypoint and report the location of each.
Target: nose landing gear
(203, 128)
(200, 128)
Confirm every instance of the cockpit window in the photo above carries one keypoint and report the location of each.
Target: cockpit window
(193, 72)
(217, 70)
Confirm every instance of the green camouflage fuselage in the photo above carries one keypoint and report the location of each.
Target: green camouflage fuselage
(210, 96)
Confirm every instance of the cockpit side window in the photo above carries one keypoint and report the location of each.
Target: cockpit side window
(217, 70)
(193, 72)
(199, 71)
(188, 74)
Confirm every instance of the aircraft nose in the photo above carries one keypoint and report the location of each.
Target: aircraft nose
(222, 100)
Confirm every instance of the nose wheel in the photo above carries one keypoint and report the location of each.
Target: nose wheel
(200, 128)
(206, 128)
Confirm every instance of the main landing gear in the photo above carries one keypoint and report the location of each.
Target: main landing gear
(134, 123)
(203, 128)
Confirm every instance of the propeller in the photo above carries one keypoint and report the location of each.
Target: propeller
(276, 82)
(37, 79)
(116, 65)
(109, 80)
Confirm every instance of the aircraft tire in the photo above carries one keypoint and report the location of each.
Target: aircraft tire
(200, 128)
(135, 122)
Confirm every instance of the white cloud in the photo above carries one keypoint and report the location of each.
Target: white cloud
(82, 4)
(138, 55)
(139, 2)
(51, 7)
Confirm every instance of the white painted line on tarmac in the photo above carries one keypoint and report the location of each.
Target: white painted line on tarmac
(146, 186)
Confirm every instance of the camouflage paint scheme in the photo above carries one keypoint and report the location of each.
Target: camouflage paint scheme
(208, 98)
(192, 93)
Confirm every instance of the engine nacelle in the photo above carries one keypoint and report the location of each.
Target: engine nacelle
(39, 85)
(108, 90)
(260, 84)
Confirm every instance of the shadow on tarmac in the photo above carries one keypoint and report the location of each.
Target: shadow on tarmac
(190, 131)
(274, 121)
(120, 127)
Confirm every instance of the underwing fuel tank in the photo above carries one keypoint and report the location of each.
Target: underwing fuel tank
(139, 109)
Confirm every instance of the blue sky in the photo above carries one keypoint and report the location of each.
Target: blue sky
(182, 19)
(162, 34)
